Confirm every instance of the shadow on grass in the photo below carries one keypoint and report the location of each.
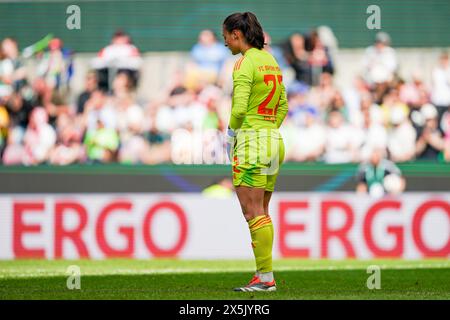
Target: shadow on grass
(332, 284)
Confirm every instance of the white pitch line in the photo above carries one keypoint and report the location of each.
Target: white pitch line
(45, 273)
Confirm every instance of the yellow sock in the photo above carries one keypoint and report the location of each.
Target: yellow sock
(271, 230)
(261, 231)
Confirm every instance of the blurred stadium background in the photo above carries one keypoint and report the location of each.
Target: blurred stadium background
(111, 135)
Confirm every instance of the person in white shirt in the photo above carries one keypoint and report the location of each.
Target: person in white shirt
(99, 107)
(440, 93)
(380, 60)
(309, 143)
(340, 144)
(370, 134)
(39, 138)
(401, 138)
(120, 55)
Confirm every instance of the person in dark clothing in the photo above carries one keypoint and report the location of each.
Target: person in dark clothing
(319, 58)
(19, 110)
(430, 142)
(297, 57)
(90, 86)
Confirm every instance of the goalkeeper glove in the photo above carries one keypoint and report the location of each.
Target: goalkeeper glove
(230, 140)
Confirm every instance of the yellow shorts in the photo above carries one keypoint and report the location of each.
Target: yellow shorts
(257, 160)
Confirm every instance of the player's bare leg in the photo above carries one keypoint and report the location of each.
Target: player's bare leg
(251, 201)
(267, 196)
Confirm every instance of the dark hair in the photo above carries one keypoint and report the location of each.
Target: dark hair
(119, 33)
(249, 26)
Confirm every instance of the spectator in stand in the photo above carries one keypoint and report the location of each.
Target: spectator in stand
(211, 98)
(159, 142)
(212, 120)
(415, 93)
(133, 145)
(164, 119)
(319, 58)
(371, 134)
(379, 176)
(392, 102)
(19, 110)
(152, 133)
(366, 108)
(129, 113)
(353, 96)
(298, 103)
(430, 142)
(39, 138)
(329, 40)
(55, 65)
(120, 55)
(99, 108)
(101, 143)
(69, 148)
(130, 121)
(310, 140)
(440, 93)
(209, 54)
(190, 113)
(380, 60)
(52, 100)
(12, 71)
(338, 104)
(14, 152)
(298, 58)
(301, 116)
(340, 143)
(122, 86)
(401, 138)
(90, 86)
(323, 95)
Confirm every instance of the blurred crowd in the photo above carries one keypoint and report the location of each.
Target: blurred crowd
(404, 118)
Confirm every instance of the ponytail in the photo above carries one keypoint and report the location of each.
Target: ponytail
(249, 25)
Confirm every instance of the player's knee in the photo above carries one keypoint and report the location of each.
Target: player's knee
(248, 216)
(251, 211)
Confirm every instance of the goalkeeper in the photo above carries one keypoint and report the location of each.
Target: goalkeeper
(254, 144)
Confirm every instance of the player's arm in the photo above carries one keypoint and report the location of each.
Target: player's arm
(242, 86)
(282, 107)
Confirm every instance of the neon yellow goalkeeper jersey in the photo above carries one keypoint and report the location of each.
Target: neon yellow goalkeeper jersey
(259, 96)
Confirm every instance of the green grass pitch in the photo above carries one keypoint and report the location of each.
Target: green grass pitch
(200, 279)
